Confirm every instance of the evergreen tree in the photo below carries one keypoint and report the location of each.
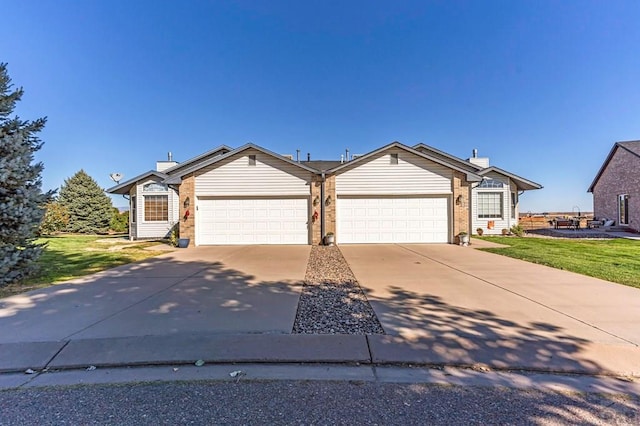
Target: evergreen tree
(21, 196)
(89, 208)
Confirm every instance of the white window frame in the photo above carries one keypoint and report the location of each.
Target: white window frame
(623, 198)
(144, 207)
(487, 208)
(134, 209)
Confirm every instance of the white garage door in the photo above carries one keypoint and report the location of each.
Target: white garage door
(392, 220)
(252, 221)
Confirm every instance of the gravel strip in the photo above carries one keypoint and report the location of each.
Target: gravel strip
(332, 301)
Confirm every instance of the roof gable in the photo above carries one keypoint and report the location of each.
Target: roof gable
(521, 183)
(632, 147)
(176, 177)
(125, 187)
(471, 175)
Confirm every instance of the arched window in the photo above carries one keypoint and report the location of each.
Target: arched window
(490, 183)
(154, 187)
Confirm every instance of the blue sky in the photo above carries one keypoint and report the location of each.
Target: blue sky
(543, 88)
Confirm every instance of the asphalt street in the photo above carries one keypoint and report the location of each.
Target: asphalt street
(309, 403)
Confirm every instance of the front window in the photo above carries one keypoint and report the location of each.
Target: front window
(490, 205)
(134, 212)
(514, 204)
(156, 208)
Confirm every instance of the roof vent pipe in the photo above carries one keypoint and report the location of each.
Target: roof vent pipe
(308, 156)
(298, 155)
(170, 156)
(341, 158)
(347, 154)
(475, 153)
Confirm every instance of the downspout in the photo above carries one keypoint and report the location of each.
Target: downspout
(322, 224)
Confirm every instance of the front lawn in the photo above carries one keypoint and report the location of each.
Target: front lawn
(616, 260)
(72, 256)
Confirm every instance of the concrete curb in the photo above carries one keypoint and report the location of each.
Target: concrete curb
(593, 359)
(186, 349)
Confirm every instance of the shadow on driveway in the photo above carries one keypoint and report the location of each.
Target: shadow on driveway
(159, 296)
(423, 328)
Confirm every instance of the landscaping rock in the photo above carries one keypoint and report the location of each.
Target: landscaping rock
(332, 301)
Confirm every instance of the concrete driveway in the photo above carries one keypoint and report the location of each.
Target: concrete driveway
(443, 302)
(438, 304)
(248, 289)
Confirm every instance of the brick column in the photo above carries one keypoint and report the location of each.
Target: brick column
(314, 226)
(330, 205)
(187, 226)
(461, 210)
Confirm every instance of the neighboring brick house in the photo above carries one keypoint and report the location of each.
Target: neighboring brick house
(250, 195)
(616, 187)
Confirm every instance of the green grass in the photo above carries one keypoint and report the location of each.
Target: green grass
(72, 256)
(616, 260)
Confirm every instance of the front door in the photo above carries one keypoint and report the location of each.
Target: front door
(623, 209)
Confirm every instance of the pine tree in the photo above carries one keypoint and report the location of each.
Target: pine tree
(89, 208)
(21, 197)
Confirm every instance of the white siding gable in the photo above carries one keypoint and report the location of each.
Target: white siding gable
(154, 229)
(268, 177)
(506, 222)
(411, 175)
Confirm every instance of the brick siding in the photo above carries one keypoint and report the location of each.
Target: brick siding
(461, 211)
(187, 225)
(621, 176)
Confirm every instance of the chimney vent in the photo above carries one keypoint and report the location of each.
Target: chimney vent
(347, 154)
(308, 156)
(478, 161)
(298, 155)
(169, 156)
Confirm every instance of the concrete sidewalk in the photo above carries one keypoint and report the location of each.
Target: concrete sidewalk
(439, 305)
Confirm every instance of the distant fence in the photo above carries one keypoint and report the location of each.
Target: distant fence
(539, 221)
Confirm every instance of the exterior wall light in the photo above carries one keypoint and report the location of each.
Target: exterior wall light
(316, 200)
(328, 201)
(186, 203)
(459, 200)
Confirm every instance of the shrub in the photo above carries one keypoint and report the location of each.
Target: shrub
(174, 236)
(119, 221)
(517, 230)
(56, 218)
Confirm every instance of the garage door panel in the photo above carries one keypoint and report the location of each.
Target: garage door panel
(393, 219)
(252, 221)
